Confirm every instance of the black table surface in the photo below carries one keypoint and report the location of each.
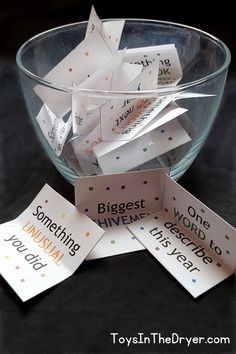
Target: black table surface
(125, 294)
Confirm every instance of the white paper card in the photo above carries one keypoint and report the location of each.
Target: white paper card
(127, 121)
(170, 112)
(111, 31)
(169, 70)
(45, 244)
(141, 149)
(193, 243)
(113, 201)
(100, 80)
(54, 129)
(85, 59)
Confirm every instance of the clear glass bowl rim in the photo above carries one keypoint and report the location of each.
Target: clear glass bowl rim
(132, 94)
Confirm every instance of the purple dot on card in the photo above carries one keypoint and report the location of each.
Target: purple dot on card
(133, 238)
(117, 157)
(227, 252)
(194, 280)
(156, 198)
(166, 209)
(144, 149)
(156, 217)
(86, 210)
(107, 188)
(113, 129)
(218, 264)
(144, 182)
(162, 130)
(170, 138)
(122, 187)
(174, 198)
(90, 188)
(46, 201)
(202, 210)
(227, 237)
(141, 228)
(157, 248)
(70, 69)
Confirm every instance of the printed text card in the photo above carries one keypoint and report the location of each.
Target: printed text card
(45, 244)
(193, 243)
(113, 201)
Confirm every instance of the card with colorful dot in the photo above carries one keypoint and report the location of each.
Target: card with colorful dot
(110, 31)
(169, 68)
(45, 244)
(115, 200)
(99, 80)
(141, 149)
(82, 61)
(192, 242)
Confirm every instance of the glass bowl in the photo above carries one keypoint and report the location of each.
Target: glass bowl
(204, 60)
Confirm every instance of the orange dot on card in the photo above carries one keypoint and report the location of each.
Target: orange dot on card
(87, 54)
(63, 215)
(106, 78)
(87, 234)
(116, 39)
(7, 257)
